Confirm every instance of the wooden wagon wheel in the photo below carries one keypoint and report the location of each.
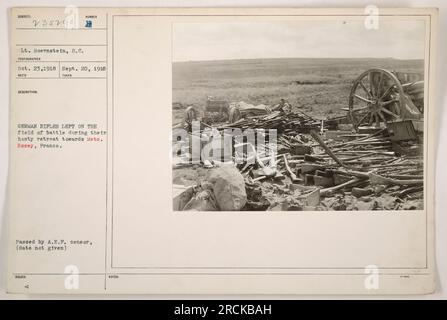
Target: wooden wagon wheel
(376, 97)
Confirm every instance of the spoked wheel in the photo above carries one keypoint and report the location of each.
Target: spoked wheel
(376, 97)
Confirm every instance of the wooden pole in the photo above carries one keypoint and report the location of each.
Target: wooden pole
(326, 148)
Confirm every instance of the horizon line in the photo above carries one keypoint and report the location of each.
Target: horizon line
(276, 58)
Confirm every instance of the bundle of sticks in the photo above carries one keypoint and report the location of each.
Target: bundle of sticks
(284, 122)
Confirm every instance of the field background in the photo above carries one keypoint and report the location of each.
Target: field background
(319, 87)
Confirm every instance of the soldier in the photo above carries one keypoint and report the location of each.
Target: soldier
(284, 106)
(190, 116)
(234, 114)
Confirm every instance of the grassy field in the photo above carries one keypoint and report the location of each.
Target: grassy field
(319, 87)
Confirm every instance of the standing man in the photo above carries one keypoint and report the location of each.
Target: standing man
(190, 116)
(234, 113)
(195, 147)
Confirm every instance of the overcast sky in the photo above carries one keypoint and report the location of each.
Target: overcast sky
(309, 39)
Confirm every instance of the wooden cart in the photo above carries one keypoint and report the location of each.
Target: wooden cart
(380, 96)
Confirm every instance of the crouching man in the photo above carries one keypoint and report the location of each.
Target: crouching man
(283, 106)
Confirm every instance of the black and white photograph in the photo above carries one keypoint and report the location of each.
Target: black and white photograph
(297, 115)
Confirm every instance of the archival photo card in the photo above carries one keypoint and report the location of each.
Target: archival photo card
(222, 150)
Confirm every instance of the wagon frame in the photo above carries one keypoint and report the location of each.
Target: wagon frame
(379, 96)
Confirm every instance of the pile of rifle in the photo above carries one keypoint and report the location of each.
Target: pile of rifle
(360, 166)
(364, 166)
(284, 122)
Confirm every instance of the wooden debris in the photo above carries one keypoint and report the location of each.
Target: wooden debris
(300, 149)
(323, 181)
(289, 171)
(309, 179)
(376, 179)
(317, 137)
(360, 192)
(327, 191)
(360, 165)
